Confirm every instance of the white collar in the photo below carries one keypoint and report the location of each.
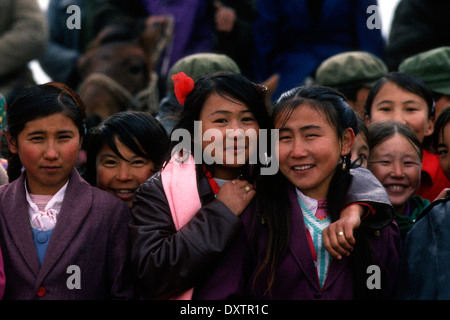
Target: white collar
(309, 202)
(54, 203)
(45, 219)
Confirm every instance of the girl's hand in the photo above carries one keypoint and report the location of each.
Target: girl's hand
(444, 194)
(338, 237)
(236, 195)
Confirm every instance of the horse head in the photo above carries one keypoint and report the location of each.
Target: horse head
(117, 71)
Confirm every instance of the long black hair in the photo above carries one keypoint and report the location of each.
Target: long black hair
(36, 102)
(273, 205)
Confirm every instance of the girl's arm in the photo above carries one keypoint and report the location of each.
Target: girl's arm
(366, 203)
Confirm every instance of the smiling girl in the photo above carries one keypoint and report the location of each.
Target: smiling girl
(185, 216)
(52, 221)
(317, 130)
(124, 151)
(396, 160)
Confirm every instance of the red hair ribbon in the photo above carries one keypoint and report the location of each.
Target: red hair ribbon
(182, 86)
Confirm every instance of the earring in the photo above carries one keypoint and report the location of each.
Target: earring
(344, 163)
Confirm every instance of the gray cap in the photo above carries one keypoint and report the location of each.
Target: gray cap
(432, 67)
(201, 64)
(351, 68)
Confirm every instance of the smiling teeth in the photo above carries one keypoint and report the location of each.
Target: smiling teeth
(124, 191)
(396, 187)
(304, 167)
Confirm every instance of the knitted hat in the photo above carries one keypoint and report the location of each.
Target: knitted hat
(432, 67)
(350, 68)
(201, 64)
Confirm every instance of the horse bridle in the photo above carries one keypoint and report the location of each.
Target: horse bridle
(148, 98)
(145, 100)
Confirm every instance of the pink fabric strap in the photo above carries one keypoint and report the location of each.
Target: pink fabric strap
(180, 186)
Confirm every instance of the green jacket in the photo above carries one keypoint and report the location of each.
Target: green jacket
(415, 206)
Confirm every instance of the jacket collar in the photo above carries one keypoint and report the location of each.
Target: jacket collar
(299, 247)
(75, 207)
(204, 189)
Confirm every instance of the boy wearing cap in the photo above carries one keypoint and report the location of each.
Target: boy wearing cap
(353, 73)
(433, 68)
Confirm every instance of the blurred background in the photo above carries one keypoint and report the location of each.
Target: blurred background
(387, 8)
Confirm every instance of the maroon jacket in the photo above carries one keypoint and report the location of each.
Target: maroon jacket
(296, 277)
(91, 234)
(208, 253)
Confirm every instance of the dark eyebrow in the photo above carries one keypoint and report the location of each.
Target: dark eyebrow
(228, 112)
(108, 155)
(403, 103)
(412, 102)
(115, 156)
(384, 101)
(284, 129)
(43, 132)
(309, 127)
(441, 145)
(36, 132)
(220, 112)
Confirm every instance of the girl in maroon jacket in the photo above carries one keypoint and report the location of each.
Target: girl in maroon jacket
(60, 237)
(317, 131)
(286, 256)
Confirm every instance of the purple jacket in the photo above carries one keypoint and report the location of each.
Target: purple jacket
(91, 234)
(193, 26)
(296, 277)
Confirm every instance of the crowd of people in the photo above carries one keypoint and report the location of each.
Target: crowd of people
(178, 204)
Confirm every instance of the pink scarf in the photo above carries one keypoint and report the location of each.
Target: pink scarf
(180, 186)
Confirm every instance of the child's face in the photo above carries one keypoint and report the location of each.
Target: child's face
(221, 115)
(396, 164)
(443, 148)
(48, 149)
(310, 150)
(360, 149)
(394, 103)
(122, 177)
(440, 104)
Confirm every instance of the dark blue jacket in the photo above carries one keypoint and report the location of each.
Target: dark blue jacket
(292, 42)
(425, 259)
